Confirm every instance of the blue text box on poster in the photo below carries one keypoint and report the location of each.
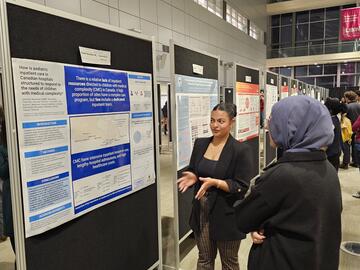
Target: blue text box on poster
(96, 91)
(88, 163)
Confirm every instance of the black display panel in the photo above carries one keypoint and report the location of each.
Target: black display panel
(184, 59)
(115, 235)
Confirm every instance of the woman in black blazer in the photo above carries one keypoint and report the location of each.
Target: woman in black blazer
(219, 170)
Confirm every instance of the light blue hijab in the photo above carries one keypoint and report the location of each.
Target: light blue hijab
(300, 124)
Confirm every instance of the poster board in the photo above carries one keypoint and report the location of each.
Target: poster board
(195, 78)
(284, 87)
(294, 88)
(247, 125)
(271, 97)
(124, 84)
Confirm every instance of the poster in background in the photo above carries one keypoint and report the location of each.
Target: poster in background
(248, 118)
(85, 138)
(271, 98)
(195, 98)
(350, 23)
(284, 91)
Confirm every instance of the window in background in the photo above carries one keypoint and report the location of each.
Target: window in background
(347, 68)
(302, 32)
(308, 80)
(332, 13)
(317, 15)
(315, 69)
(286, 19)
(301, 71)
(236, 19)
(302, 17)
(254, 31)
(347, 80)
(330, 69)
(317, 30)
(214, 6)
(326, 81)
(332, 29)
(286, 71)
(275, 20)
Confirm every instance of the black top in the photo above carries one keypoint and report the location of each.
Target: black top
(297, 202)
(353, 111)
(234, 166)
(207, 167)
(334, 149)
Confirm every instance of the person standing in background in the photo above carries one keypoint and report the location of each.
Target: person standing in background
(353, 113)
(356, 130)
(346, 134)
(262, 107)
(164, 111)
(333, 151)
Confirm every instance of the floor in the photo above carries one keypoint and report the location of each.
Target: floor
(350, 182)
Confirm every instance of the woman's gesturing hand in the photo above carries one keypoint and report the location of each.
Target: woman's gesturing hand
(187, 180)
(207, 182)
(258, 237)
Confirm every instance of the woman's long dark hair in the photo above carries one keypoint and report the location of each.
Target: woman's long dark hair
(226, 107)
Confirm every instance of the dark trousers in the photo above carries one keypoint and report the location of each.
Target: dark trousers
(353, 150)
(335, 161)
(208, 248)
(345, 146)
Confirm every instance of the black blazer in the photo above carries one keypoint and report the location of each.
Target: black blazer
(234, 166)
(297, 201)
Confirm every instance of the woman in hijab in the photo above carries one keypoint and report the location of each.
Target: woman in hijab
(294, 209)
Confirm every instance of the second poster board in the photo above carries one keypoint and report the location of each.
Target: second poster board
(247, 126)
(196, 91)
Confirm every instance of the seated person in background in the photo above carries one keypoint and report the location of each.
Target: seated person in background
(294, 209)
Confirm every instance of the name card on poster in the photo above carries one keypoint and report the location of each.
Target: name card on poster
(272, 81)
(285, 83)
(248, 79)
(197, 69)
(93, 56)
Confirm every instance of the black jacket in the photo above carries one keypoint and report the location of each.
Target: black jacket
(233, 166)
(298, 204)
(334, 149)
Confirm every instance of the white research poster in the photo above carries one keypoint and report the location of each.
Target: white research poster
(195, 98)
(85, 138)
(271, 97)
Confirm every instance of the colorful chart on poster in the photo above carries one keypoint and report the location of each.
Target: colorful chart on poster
(195, 98)
(248, 102)
(85, 138)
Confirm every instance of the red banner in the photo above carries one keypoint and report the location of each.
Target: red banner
(350, 23)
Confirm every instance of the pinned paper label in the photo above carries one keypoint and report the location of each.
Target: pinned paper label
(248, 79)
(93, 56)
(197, 69)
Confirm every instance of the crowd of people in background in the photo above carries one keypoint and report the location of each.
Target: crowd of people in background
(348, 111)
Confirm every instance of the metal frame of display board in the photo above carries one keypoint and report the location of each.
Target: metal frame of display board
(173, 109)
(235, 64)
(10, 117)
(265, 132)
